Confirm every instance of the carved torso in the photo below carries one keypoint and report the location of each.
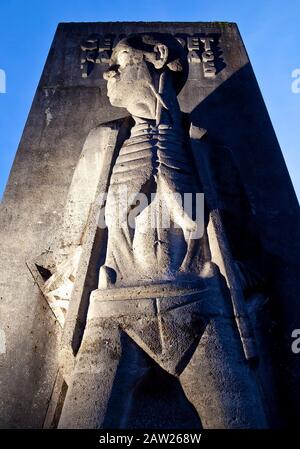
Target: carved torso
(153, 152)
(154, 161)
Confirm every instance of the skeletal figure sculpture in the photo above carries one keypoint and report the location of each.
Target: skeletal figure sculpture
(159, 292)
(154, 160)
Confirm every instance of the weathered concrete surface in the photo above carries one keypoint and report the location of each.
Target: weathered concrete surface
(66, 107)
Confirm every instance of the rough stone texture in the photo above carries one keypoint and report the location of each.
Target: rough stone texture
(66, 107)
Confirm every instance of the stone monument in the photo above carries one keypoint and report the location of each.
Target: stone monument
(154, 235)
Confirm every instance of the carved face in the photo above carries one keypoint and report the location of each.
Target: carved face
(128, 81)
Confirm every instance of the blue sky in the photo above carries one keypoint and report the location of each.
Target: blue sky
(270, 30)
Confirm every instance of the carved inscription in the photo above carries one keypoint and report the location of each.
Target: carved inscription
(97, 49)
(208, 58)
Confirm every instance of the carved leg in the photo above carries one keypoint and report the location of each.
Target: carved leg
(219, 382)
(108, 367)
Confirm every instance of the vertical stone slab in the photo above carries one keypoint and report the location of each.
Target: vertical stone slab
(222, 96)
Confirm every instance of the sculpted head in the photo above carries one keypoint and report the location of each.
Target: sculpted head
(135, 71)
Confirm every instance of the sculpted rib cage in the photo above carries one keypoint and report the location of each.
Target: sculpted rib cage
(151, 152)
